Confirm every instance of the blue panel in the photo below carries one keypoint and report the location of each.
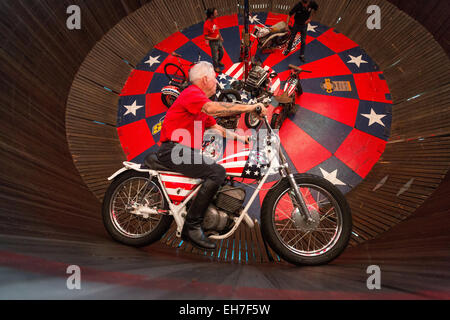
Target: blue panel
(344, 173)
(123, 119)
(366, 65)
(329, 133)
(231, 42)
(158, 55)
(316, 85)
(159, 81)
(190, 52)
(384, 116)
(194, 31)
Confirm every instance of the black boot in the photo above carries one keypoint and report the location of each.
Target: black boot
(192, 230)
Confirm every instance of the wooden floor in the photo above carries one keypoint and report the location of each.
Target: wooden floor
(413, 258)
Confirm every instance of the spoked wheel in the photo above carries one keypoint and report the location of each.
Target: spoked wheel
(252, 120)
(292, 237)
(229, 95)
(174, 73)
(122, 217)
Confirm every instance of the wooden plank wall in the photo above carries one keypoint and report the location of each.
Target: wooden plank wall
(67, 83)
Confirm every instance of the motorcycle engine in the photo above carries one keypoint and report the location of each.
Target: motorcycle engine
(256, 78)
(227, 203)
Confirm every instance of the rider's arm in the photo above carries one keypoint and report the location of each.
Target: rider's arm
(229, 134)
(226, 109)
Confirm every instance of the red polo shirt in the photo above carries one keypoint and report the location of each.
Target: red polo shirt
(211, 29)
(185, 122)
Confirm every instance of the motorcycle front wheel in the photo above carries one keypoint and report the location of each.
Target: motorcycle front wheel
(127, 192)
(300, 242)
(252, 121)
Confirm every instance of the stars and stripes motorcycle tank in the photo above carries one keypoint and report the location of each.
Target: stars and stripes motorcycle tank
(246, 164)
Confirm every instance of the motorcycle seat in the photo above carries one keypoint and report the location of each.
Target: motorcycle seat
(152, 162)
(279, 27)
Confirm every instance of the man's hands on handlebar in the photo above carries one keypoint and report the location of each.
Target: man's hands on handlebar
(260, 109)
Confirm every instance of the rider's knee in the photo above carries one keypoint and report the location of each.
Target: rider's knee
(218, 175)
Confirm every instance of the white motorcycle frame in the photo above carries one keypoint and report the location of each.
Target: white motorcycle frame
(179, 211)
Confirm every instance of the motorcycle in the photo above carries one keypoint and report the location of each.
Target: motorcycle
(286, 102)
(305, 219)
(270, 38)
(259, 85)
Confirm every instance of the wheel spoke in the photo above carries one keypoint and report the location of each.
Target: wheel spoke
(321, 235)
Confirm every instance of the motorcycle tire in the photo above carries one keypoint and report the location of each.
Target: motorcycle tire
(252, 121)
(229, 95)
(276, 122)
(168, 99)
(174, 73)
(290, 253)
(112, 215)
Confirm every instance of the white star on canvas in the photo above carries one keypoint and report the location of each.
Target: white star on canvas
(132, 109)
(221, 85)
(223, 76)
(332, 177)
(253, 19)
(312, 28)
(244, 96)
(152, 60)
(374, 118)
(256, 173)
(248, 172)
(356, 60)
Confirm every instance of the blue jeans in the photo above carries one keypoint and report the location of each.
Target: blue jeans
(303, 28)
(216, 52)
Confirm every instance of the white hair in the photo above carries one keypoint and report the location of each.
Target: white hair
(200, 70)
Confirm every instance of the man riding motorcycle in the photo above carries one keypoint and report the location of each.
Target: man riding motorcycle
(182, 135)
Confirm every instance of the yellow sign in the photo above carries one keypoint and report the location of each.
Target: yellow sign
(331, 86)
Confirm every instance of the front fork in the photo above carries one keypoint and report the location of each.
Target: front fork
(299, 202)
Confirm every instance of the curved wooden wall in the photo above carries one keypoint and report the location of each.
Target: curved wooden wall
(44, 70)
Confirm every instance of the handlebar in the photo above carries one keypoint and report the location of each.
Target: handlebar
(291, 66)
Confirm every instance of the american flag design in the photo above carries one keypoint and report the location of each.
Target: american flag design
(178, 186)
(248, 164)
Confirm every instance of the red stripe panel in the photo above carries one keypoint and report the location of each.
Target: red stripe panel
(135, 138)
(154, 105)
(137, 83)
(370, 87)
(176, 185)
(336, 41)
(177, 199)
(265, 188)
(304, 151)
(344, 110)
(173, 42)
(326, 67)
(360, 151)
(235, 170)
(227, 21)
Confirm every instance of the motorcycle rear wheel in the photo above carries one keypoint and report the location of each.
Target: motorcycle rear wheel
(291, 237)
(123, 225)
